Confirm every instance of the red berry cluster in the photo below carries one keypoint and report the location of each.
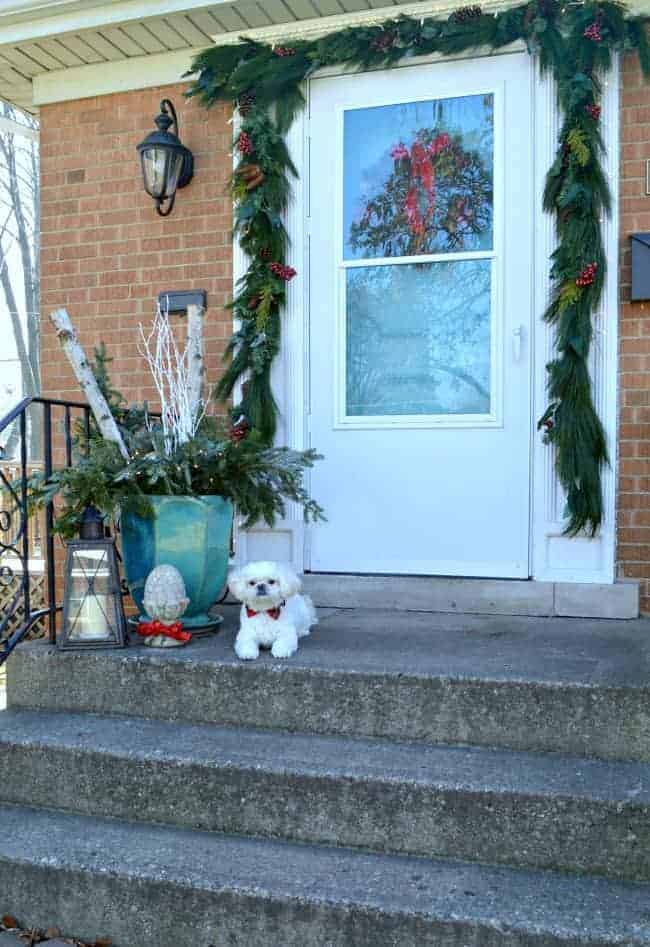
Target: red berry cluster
(549, 424)
(239, 430)
(283, 51)
(588, 275)
(383, 42)
(282, 272)
(593, 32)
(594, 111)
(244, 143)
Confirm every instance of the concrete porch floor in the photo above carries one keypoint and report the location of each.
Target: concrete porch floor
(607, 652)
(545, 649)
(506, 648)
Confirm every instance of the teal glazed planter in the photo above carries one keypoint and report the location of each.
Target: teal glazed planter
(189, 532)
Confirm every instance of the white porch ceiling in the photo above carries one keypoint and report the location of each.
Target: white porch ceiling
(41, 37)
(51, 36)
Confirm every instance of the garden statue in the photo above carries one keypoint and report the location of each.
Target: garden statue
(165, 602)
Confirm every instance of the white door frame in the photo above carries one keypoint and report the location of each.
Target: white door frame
(553, 557)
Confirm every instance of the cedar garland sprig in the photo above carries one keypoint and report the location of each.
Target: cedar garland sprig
(575, 43)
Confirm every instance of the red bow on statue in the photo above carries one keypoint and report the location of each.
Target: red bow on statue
(150, 628)
(273, 613)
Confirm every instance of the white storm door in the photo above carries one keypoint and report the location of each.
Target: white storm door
(421, 266)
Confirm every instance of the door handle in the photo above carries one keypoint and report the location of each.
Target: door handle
(517, 339)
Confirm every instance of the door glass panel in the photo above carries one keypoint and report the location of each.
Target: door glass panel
(418, 178)
(418, 339)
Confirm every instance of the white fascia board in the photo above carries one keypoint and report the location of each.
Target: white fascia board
(126, 75)
(44, 20)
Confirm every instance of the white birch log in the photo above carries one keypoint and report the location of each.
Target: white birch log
(195, 358)
(87, 382)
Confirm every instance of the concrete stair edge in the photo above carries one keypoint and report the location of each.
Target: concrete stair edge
(149, 884)
(526, 810)
(604, 719)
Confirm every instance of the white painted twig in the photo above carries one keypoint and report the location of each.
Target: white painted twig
(87, 382)
(195, 357)
(171, 370)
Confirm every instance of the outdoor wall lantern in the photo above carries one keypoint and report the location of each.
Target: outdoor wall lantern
(93, 616)
(166, 163)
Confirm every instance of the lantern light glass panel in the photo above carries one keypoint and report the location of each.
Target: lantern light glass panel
(162, 168)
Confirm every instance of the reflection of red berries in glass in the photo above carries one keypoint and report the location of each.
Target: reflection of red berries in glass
(440, 143)
(244, 143)
(399, 151)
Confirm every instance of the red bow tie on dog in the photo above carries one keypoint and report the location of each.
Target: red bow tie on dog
(273, 613)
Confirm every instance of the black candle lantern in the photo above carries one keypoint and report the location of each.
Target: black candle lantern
(166, 163)
(93, 616)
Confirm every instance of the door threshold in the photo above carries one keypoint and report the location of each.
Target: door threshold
(474, 596)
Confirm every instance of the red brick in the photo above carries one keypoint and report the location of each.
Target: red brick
(106, 254)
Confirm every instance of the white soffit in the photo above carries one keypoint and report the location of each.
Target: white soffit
(56, 50)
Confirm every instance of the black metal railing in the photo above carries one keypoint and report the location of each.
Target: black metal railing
(20, 613)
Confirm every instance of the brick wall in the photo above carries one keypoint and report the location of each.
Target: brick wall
(633, 554)
(105, 252)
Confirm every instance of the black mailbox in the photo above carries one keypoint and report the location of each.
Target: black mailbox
(640, 266)
(179, 300)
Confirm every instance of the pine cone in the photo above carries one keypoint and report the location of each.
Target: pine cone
(254, 302)
(384, 41)
(252, 175)
(246, 102)
(266, 253)
(465, 14)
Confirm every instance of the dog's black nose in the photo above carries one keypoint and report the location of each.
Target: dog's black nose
(261, 588)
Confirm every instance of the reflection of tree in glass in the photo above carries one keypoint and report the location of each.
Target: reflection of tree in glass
(438, 197)
(418, 338)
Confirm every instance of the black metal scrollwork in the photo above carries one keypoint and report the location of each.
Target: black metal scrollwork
(14, 567)
(16, 614)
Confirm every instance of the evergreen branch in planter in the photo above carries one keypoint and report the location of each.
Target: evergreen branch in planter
(147, 455)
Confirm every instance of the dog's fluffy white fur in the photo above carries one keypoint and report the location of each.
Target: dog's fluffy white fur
(265, 587)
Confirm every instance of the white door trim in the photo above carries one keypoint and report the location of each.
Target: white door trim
(553, 557)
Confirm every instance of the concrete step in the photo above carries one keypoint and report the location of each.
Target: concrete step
(475, 596)
(141, 884)
(557, 685)
(496, 806)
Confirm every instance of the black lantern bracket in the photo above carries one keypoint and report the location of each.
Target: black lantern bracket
(165, 141)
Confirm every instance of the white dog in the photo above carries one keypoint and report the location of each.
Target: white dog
(273, 615)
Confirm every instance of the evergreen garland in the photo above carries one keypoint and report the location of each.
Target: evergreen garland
(574, 42)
